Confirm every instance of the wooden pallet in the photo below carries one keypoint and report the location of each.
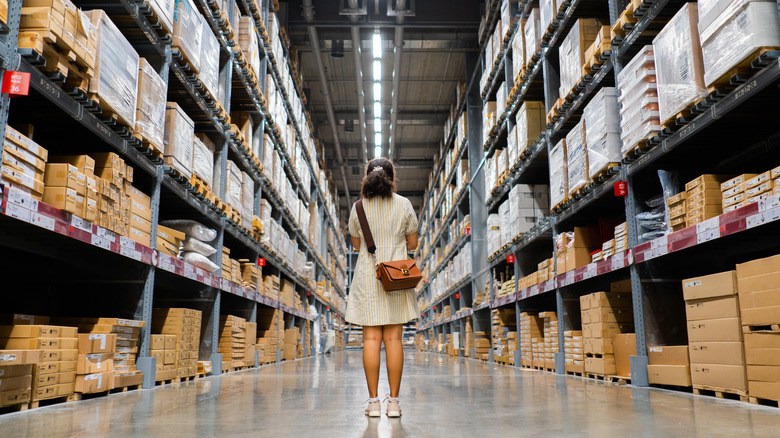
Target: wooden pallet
(607, 172)
(52, 401)
(181, 58)
(185, 379)
(595, 376)
(740, 72)
(724, 393)
(127, 388)
(574, 373)
(109, 116)
(620, 380)
(78, 396)
(62, 66)
(764, 402)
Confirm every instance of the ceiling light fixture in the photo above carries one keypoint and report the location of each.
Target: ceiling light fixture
(377, 109)
(378, 139)
(377, 45)
(377, 151)
(377, 91)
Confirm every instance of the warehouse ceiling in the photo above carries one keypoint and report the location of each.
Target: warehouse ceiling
(435, 36)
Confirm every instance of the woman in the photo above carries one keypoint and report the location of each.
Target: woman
(393, 224)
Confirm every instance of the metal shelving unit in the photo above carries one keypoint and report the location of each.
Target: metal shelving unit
(708, 247)
(33, 227)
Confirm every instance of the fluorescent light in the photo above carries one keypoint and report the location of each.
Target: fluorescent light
(377, 124)
(377, 70)
(378, 139)
(377, 151)
(377, 91)
(377, 46)
(377, 109)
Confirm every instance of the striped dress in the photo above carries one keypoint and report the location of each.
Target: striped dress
(390, 220)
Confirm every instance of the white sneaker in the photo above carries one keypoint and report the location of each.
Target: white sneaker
(393, 407)
(374, 408)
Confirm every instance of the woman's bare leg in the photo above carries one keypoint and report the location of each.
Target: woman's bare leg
(372, 343)
(394, 350)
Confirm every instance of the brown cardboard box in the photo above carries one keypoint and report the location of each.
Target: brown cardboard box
(15, 371)
(718, 330)
(84, 163)
(91, 383)
(170, 342)
(674, 375)
(65, 175)
(605, 330)
(713, 308)
(600, 365)
(15, 383)
(96, 343)
(157, 342)
(668, 355)
(95, 363)
(625, 347)
(31, 343)
(608, 315)
(8, 398)
(577, 257)
(719, 376)
(63, 198)
(763, 373)
(710, 286)
(20, 357)
(724, 353)
(736, 181)
(30, 331)
(766, 390)
(610, 299)
(597, 346)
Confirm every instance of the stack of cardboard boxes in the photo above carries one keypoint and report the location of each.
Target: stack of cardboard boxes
(292, 337)
(504, 343)
(16, 373)
(759, 300)
(232, 341)
(669, 365)
(677, 211)
(55, 373)
(250, 341)
(468, 342)
(24, 164)
(251, 275)
(481, 345)
(163, 347)
(704, 198)
(531, 327)
(572, 250)
(604, 315)
(169, 240)
(715, 333)
(185, 324)
(550, 324)
(271, 286)
(95, 367)
(268, 328)
(574, 357)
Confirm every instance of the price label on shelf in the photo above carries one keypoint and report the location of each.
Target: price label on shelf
(17, 212)
(707, 225)
(130, 252)
(189, 272)
(101, 242)
(618, 261)
(42, 221)
(755, 220)
(166, 263)
(124, 241)
(104, 233)
(708, 235)
(80, 224)
(590, 271)
(772, 215)
(569, 278)
(22, 199)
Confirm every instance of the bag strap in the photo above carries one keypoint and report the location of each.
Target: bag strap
(369, 238)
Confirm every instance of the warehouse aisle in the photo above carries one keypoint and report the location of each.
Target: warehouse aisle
(323, 397)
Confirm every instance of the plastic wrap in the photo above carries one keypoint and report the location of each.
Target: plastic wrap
(187, 32)
(546, 13)
(531, 36)
(209, 58)
(602, 131)
(179, 132)
(710, 11)
(559, 183)
(194, 245)
(638, 100)
(518, 54)
(506, 220)
(736, 34)
(203, 159)
(577, 158)
(490, 173)
(247, 199)
(164, 10)
(234, 191)
(678, 63)
(115, 79)
(530, 121)
(247, 40)
(191, 229)
(572, 53)
(198, 260)
(494, 233)
(150, 105)
(511, 147)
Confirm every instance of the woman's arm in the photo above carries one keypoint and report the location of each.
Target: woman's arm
(355, 243)
(411, 242)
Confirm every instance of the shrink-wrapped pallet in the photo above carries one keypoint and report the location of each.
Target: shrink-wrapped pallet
(547, 12)
(164, 10)
(505, 219)
(150, 105)
(532, 37)
(529, 123)
(203, 159)
(737, 33)
(209, 58)
(247, 199)
(602, 131)
(511, 147)
(490, 173)
(678, 63)
(572, 53)
(179, 131)
(234, 189)
(710, 11)
(247, 40)
(116, 69)
(494, 233)
(559, 187)
(577, 158)
(518, 55)
(187, 32)
(638, 100)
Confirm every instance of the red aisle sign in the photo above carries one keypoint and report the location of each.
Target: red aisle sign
(510, 258)
(260, 261)
(457, 296)
(621, 189)
(16, 83)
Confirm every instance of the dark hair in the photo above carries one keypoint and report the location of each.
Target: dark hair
(379, 182)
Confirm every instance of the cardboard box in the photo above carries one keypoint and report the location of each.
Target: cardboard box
(609, 299)
(95, 363)
(668, 355)
(15, 371)
(157, 342)
(766, 390)
(719, 376)
(717, 330)
(19, 396)
(91, 383)
(625, 347)
(66, 199)
(724, 353)
(608, 315)
(15, 383)
(673, 375)
(600, 365)
(96, 343)
(179, 132)
(30, 331)
(714, 308)
(605, 330)
(20, 357)
(577, 257)
(710, 286)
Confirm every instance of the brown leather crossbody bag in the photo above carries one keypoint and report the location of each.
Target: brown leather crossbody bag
(396, 275)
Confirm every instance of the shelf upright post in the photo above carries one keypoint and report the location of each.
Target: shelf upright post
(640, 361)
(10, 59)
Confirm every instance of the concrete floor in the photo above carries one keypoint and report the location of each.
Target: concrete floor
(441, 397)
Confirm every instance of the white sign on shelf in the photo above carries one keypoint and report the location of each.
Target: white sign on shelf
(166, 263)
(101, 242)
(755, 220)
(16, 196)
(125, 241)
(618, 261)
(81, 224)
(18, 212)
(569, 279)
(104, 233)
(591, 270)
(43, 221)
(709, 224)
(710, 234)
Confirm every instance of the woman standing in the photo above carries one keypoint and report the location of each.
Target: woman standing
(393, 224)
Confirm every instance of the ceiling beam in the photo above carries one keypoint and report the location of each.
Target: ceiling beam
(457, 13)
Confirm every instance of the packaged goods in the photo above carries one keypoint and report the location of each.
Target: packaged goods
(559, 183)
(532, 36)
(678, 63)
(187, 32)
(150, 106)
(164, 11)
(247, 40)
(209, 58)
(602, 131)
(179, 132)
(572, 53)
(191, 229)
(116, 69)
(203, 159)
(577, 158)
